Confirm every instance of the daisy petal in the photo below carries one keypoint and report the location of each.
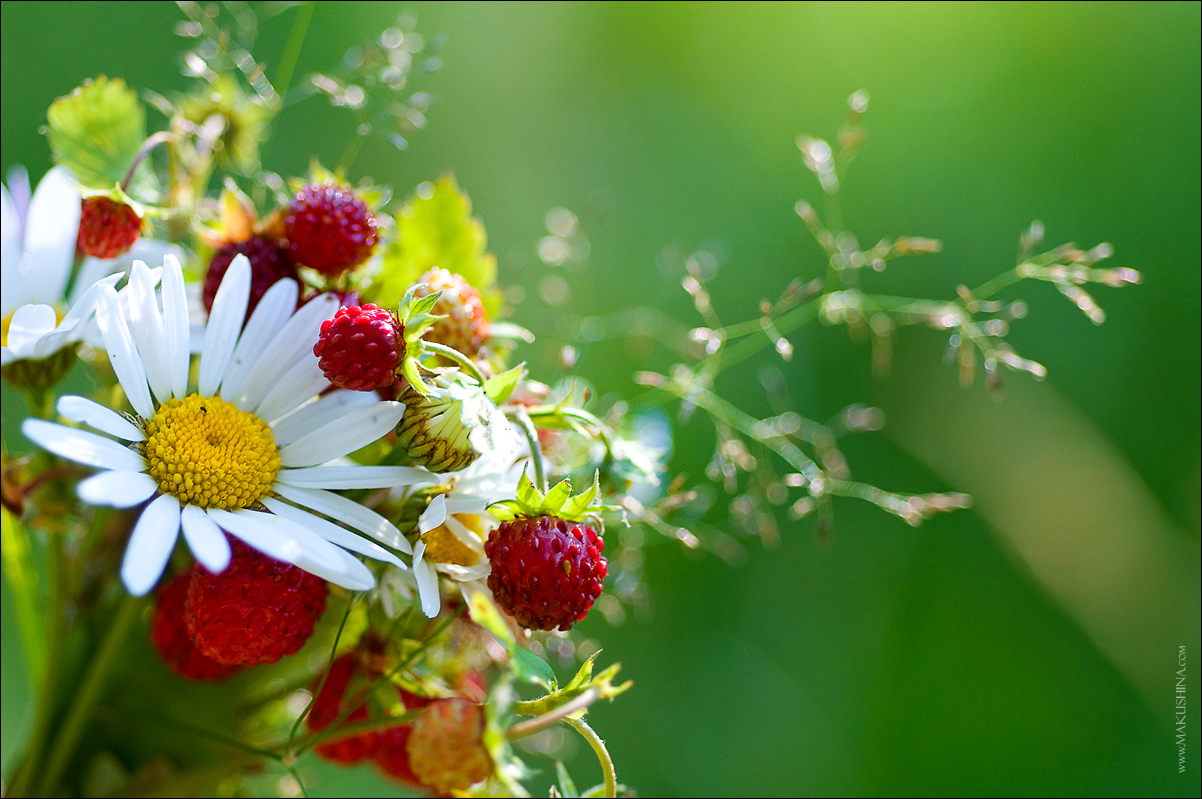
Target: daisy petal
(117, 489)
(51, 231)
(123, 355)
(338, 478)
(225, 323)
(175, 327)
(284, 540)
(29, 324)
(98, 417)
(295, 340)
(332, 532)
(146, 325)
(434, 514)
(318, 414)
(467, 505)
(150, 545)
(300, 383)
(14, 289)
(208, 544)
(365, 520)
(343, 436)
(82, 447)
(270, 314)
(152, 251)
(427, 582)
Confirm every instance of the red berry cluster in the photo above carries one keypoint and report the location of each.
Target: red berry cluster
(546, 572)
(107, 228)
(170, 636)
(329, 228)
(360, 348)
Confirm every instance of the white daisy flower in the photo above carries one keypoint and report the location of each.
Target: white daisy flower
(454, 526)
(37, 252)
(243, 452)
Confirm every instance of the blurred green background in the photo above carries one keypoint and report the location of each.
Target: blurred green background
(1027, 646)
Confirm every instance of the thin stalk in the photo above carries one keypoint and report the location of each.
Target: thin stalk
(991, 287)
(325, 674)
(154, 141)
(456, 356)
(539, 723)
(607, 763)
(536, 453)
(89, 691)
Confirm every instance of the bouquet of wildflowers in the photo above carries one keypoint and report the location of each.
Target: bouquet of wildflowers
(292, 489)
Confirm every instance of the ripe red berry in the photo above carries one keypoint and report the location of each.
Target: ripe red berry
(170, 636)
(329, 705)
(546, 572)
(330, 229)
(360, 348)
(268, 265)
(256, 611)
(446, 747)
(464, 325)
(107, 228)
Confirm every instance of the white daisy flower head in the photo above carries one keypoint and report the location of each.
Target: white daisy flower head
(244, 450)
(454, 526)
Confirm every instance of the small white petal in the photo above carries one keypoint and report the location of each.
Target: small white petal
(434, 514)
(225, 323)
(295, 340)
(319, 413)
(205, 539)
(466, 505)
(51, 231)
(98, 417)
(123, 355)
(466, 537)
(332, 532)
(338, 478)
(14, 289)
(150, 545)
(82, 447)
(285, 540)
(117, 489)
(146, 325)
(365, 520)
(273, 310)
(7, 356)
(29, 324)
(175, 327)
(299, 384)
(343, 436)
(427, 584)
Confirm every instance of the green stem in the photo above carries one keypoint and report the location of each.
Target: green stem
(607, 763)
(89, 691)
(154, 141)
(325, 674)
(991, 287)
(539, 723)
(455, 355)
(536, 453)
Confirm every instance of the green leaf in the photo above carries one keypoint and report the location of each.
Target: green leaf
(499, 388)
(531, 668)
(425, 304)
(435, 228)
(97, 131)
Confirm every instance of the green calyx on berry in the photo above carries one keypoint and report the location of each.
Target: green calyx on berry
(415, 318)
(558, 502)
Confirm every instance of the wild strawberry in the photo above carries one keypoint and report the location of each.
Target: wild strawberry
(329, 705)
(107, 228)
(360, 348)
(268, 265)
(256, 611)
(329, 228)
(392, 755)
(446, 747)
(547, 565)
(464, 325)
(170, 636)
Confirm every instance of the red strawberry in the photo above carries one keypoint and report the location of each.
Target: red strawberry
(256, 611)
(268, 265)
(329, 228)
(360, 348)
(170, 636)
(446, 747)
(546, 572)
(329, 705)
(464, 325)
(107, 228)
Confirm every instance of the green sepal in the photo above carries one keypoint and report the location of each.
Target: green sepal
(425, 304)
(413, 374)
(528, 495)
(499, 388)
(583, 681)
(579, 505)
(558, 501)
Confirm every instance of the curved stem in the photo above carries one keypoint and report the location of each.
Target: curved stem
(89, 691)
(154, 141)
(455, 355)
(607, 763)
(536, 453)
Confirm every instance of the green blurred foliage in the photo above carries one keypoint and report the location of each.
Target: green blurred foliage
(938, 660)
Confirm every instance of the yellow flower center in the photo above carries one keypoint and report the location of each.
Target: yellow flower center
(210, 454)
(443, 546)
